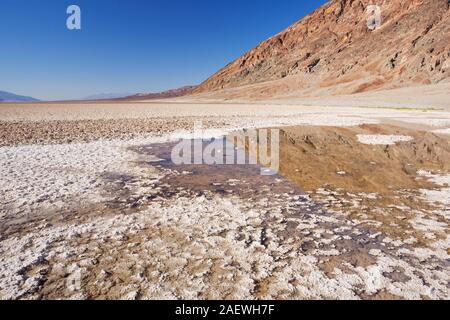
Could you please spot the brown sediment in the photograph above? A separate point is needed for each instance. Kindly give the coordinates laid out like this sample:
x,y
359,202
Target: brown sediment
x,y
313,156
376,184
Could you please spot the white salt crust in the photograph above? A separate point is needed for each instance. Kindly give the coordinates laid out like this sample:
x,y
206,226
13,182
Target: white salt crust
x,y
382,139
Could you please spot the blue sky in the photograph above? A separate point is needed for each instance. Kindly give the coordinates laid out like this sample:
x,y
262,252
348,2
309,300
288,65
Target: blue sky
x,y
130,45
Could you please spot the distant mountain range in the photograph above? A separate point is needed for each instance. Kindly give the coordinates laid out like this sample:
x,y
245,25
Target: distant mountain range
x,y
174,93
11,97
179,92
106,96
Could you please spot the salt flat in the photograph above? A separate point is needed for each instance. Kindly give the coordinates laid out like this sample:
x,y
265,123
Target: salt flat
x,y
86,212
85,122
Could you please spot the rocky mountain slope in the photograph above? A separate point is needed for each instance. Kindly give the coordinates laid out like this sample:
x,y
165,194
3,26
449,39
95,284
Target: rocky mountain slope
x,y
334,51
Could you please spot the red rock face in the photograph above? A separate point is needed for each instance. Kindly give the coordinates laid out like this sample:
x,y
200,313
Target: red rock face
x,y
333,50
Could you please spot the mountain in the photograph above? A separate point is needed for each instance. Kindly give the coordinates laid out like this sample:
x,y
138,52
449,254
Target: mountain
x,y
174,93
106,96
11,97
333,51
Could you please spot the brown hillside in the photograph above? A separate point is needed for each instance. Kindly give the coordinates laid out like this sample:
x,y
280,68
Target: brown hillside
x,y
333,50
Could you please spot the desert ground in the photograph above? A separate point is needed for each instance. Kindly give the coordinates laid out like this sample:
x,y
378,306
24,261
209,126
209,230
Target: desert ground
x,y
92,208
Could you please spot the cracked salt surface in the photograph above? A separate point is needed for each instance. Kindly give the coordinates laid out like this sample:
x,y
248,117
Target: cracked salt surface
x,y
38,176
382,139
441,195
191,244
34,175
183,256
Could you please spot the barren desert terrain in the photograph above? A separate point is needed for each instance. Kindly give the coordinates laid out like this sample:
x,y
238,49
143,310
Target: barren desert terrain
x,y
92,206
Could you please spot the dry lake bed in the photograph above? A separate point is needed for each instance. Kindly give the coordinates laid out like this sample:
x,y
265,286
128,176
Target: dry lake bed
x,y
92,207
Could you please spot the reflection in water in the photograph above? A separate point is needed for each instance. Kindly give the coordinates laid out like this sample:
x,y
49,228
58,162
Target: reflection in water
x,y
241,176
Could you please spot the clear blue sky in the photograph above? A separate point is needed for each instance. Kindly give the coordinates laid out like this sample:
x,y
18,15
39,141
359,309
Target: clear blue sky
x,y
130,45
